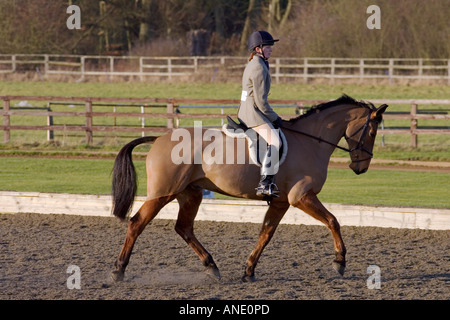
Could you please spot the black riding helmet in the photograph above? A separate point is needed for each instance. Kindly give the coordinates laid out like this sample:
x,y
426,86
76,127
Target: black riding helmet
x,y
260,38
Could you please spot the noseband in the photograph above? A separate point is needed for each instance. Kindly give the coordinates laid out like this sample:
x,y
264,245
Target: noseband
x,y
359,145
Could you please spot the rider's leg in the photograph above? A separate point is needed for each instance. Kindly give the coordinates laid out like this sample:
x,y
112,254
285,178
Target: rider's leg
x,y
269,164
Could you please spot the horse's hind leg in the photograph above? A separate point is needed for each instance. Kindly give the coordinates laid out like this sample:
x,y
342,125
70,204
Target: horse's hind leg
x,y
310,204
137,223
189,201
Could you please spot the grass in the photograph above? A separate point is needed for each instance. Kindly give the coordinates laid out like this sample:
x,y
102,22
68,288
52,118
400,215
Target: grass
x,y
221,90
376,187
387,187
56,175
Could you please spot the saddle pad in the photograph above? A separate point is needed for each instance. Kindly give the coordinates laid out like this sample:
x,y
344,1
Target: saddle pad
x,y
252,140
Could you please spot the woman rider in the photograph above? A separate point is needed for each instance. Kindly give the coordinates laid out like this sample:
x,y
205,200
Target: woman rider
x,y
255,110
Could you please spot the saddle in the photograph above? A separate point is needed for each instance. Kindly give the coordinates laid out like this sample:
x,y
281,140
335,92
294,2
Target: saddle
x,y
240,130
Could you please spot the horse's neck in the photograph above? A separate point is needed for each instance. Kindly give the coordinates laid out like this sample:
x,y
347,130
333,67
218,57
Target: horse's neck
x,y
329,124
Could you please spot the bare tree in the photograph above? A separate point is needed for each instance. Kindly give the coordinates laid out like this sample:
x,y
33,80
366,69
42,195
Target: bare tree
x,y
276,17
249,25
144,26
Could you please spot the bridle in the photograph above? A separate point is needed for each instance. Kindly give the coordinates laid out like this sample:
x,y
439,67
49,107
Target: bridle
x,y
359,146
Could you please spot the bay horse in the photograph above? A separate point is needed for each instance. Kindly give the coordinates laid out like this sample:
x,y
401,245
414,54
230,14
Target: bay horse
x,y
312,138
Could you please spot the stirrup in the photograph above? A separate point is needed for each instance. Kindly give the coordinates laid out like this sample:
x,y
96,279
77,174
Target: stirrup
x,y
270,190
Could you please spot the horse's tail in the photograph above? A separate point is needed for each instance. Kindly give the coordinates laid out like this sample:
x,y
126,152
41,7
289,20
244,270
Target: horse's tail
x,y
124,184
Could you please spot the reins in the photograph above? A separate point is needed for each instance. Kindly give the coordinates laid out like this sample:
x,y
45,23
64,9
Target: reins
x,y
359,145
317,138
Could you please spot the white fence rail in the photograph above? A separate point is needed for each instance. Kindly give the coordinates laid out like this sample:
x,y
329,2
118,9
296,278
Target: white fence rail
x,y
226,67
246,211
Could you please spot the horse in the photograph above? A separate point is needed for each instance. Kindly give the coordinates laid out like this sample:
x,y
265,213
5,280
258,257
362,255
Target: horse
x,y
312,138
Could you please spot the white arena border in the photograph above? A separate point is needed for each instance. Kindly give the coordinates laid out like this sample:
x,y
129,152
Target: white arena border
x,y
228,210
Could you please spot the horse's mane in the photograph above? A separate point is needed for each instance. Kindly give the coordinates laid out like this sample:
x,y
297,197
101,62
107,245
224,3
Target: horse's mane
x,y
344,99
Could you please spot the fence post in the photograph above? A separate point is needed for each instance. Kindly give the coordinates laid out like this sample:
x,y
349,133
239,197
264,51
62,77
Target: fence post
x,y
50,135
13,64
277,70
111,67
83,58
333,69
361,70
89,122
143,119
448,75
420,69
46,65
305,70
413,126
141,68
169,68
6,121
170,120
196,64
391,70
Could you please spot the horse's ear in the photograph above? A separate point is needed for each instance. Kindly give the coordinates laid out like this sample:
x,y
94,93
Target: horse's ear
x,y
381,109
376,114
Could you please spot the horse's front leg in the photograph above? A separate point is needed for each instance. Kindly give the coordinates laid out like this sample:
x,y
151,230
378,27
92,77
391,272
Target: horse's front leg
x,y
272,218
310,204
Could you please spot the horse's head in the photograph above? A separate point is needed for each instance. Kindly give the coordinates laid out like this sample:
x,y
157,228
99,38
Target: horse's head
x,y
360,136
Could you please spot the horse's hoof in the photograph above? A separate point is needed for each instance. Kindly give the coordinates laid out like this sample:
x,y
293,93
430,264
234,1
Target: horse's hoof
x,y
213,273
117,276
247,278
339,267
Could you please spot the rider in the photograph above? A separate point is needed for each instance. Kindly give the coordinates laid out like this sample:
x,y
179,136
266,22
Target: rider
x,y
255,110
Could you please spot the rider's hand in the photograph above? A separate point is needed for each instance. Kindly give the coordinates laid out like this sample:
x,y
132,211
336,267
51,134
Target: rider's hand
x,y
278,123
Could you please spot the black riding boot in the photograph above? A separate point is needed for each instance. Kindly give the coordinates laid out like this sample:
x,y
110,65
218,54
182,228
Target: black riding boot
x,y
267,187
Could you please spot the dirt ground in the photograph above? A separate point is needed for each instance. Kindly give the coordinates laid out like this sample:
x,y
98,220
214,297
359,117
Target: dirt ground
x,y
37,250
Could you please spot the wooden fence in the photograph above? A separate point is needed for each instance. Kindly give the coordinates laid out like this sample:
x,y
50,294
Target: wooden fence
x,y
171,116
226,67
